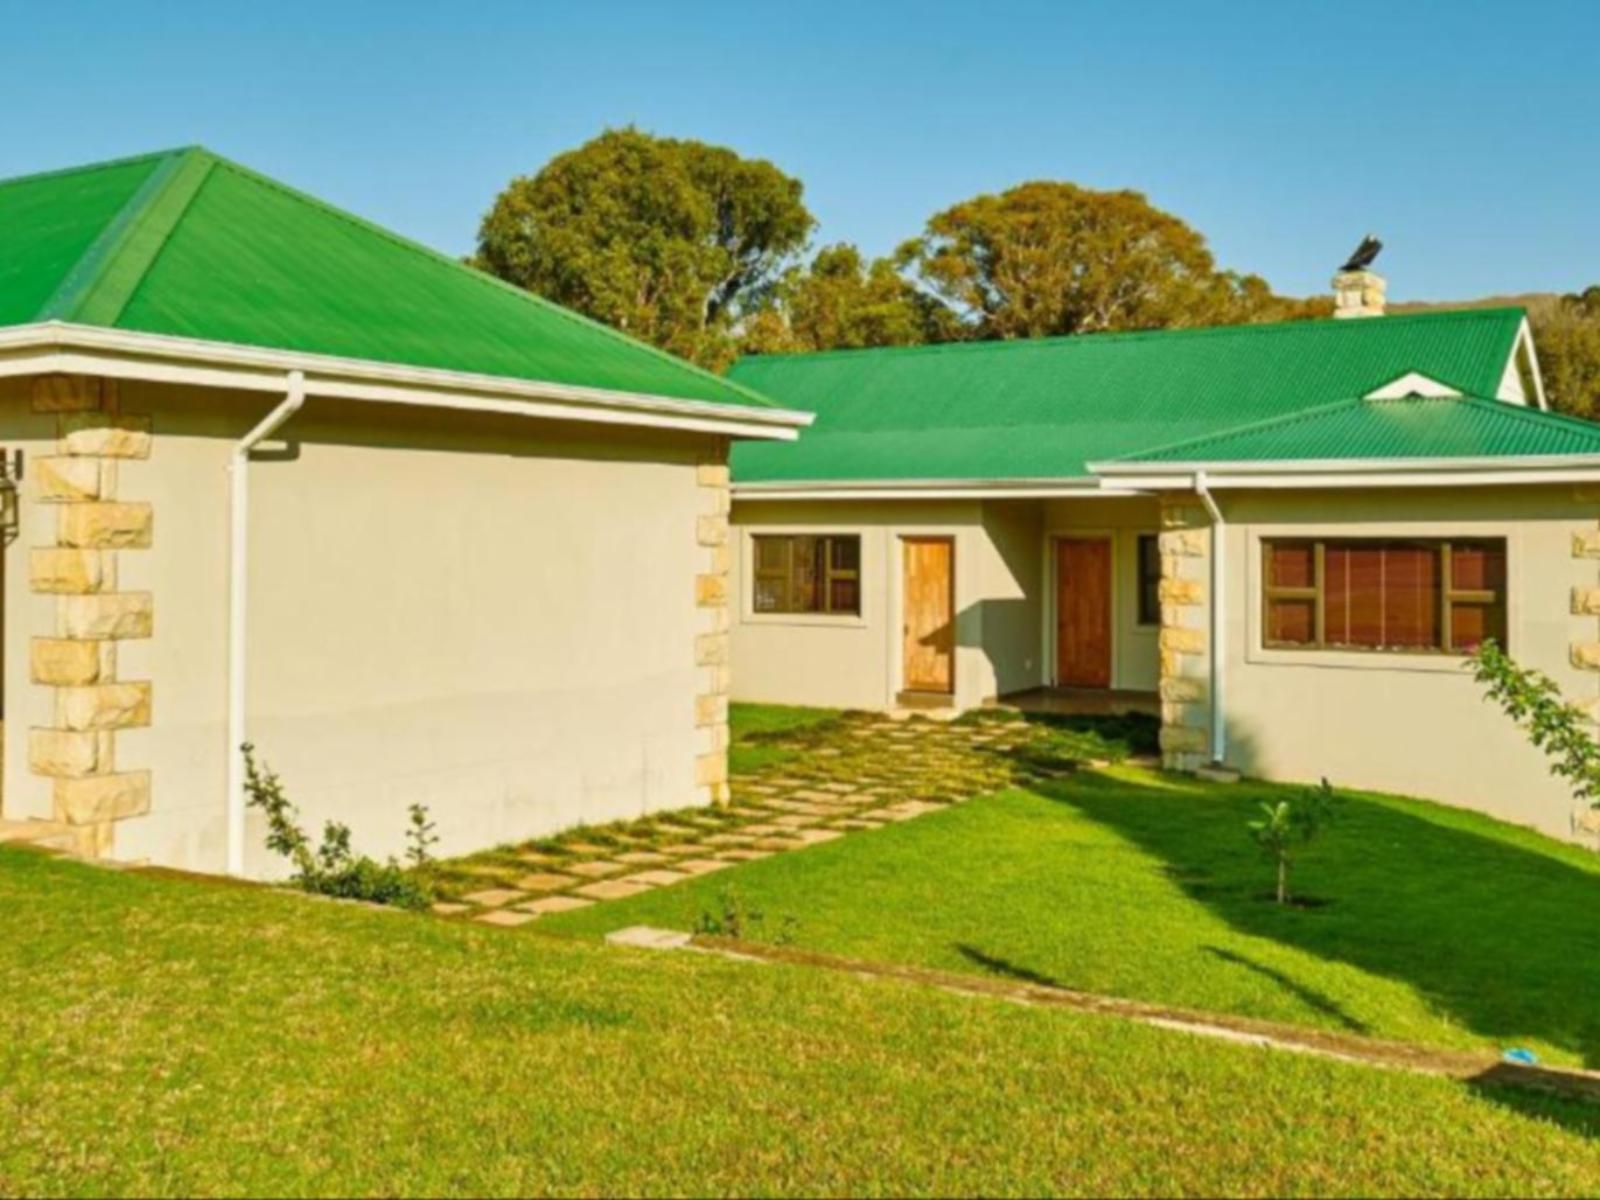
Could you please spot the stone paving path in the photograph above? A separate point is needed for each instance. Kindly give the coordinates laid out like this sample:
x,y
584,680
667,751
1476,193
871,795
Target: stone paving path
x,y
859,773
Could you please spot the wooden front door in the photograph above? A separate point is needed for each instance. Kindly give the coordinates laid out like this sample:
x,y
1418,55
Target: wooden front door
x,y
929,603
1083,612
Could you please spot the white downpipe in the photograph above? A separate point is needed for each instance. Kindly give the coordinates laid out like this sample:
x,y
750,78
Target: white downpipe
x,y
238,579
1219,543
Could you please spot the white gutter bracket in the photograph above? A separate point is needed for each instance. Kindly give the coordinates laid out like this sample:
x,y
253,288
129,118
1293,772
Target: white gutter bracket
x,y
238,581
1219,727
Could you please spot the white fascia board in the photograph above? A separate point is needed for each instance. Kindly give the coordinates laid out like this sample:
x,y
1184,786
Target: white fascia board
x,y
929,489
58,347
1369,474
1511,380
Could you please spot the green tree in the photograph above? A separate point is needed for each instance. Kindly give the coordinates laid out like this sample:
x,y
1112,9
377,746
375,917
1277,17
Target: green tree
x,y
668,240
1047,258
840,301
1567,334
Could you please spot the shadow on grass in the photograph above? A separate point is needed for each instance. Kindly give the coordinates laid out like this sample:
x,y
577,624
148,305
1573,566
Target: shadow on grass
x,y
1496,928
1002,966
1308,996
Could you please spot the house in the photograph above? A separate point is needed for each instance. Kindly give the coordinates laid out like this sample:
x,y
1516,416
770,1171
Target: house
x,y
276,475
1284,538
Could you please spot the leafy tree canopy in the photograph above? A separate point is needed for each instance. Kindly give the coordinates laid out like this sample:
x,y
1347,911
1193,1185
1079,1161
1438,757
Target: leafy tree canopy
x,y
668,240
840,301
1566,331
1046,259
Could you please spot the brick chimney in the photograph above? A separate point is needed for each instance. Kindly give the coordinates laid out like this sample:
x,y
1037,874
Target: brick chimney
x,y
1358,293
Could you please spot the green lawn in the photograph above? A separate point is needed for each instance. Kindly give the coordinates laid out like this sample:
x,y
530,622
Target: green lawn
x,y
757,729
170,1036
1440,927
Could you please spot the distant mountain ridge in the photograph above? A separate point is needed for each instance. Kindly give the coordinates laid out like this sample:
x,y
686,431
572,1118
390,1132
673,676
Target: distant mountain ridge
x,y
1534,302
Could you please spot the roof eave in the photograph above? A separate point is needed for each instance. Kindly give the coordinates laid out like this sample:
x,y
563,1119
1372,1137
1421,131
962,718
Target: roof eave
x,y
1367,472
923,489
56,346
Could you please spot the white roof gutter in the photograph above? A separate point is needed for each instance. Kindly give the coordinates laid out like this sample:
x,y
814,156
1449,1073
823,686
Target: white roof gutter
x,y
238,595
1355,473
1219,579
926,489
54,346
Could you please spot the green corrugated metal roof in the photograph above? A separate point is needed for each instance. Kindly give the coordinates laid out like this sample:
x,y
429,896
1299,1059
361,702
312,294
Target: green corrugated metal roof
x,y
1044,408
188,244
1414,427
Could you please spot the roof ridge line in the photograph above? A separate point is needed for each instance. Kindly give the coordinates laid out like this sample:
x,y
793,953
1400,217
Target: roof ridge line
x,y
1059,339
1301,414
100,284
487,280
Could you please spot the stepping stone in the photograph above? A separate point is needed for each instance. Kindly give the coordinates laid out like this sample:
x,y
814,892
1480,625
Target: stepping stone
x,y
502,917
494,897
597,869
742,856
696,848
810,837
795,822
776,844
657,878
547,905
704,866
585,848
612,889
757,813
730,839
447,909
547,882
642,858
911,808
856,823
537,858
762,830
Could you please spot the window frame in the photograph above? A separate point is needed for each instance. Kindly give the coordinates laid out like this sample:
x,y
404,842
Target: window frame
x,y
830,574
1143,618
1449,595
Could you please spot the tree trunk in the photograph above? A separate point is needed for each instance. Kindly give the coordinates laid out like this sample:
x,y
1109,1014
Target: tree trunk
x,y
1283,880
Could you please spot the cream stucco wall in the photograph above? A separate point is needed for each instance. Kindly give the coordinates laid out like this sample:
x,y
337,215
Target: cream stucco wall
x,y
494,617
1414,724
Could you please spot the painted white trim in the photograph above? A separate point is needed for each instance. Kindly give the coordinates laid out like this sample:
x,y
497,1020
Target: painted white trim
x,y
1413,383
79,349
1288,481
1511,389
238,588
1219,627
1082,487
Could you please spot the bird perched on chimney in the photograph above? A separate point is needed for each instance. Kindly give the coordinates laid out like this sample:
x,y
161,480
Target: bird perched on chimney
x,y
1365,253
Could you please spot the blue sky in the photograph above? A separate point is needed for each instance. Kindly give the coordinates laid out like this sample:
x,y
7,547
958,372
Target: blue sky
x,y
1464,133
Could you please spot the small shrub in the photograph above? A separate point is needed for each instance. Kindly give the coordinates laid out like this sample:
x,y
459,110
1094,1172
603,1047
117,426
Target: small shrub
x,y
1534,702
333,868
734,919
1289,825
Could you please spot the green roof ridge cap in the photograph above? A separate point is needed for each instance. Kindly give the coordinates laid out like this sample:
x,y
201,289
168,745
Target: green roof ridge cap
x,y
1129,335
487,280
100,285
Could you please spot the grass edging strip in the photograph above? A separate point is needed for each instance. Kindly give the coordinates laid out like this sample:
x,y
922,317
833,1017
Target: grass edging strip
x,y
1462,1066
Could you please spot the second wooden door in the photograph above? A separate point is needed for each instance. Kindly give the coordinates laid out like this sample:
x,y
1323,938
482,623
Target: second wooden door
x,y
1083,612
